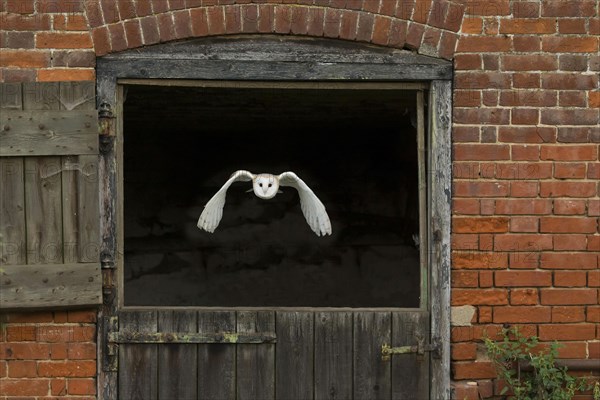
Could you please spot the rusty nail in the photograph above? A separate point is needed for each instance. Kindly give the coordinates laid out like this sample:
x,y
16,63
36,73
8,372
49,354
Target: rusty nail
x,y
41,126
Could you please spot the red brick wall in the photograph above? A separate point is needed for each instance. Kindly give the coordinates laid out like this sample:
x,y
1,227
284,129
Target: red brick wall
x,y
48,354
45,40
526,207
526,112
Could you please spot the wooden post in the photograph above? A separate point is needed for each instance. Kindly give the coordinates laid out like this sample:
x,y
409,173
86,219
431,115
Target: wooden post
x,y
440,167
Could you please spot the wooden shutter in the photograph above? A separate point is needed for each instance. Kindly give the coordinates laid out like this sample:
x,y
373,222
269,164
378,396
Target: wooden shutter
x,y
49,204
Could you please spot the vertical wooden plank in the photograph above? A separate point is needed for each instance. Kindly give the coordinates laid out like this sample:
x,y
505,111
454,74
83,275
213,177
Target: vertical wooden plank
x,y
43,210
69,209
43,187
137,362
11,96
422,161
12,212
440,120
410,372
12,196
294,355
372,379
333,355
216,362
70,191
81,229
177,363
88,209
255,362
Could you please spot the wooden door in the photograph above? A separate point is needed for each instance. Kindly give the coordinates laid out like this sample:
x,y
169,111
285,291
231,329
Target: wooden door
x,y
301,355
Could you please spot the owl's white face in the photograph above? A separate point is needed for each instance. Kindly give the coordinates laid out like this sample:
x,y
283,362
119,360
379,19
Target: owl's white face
x,y
265,186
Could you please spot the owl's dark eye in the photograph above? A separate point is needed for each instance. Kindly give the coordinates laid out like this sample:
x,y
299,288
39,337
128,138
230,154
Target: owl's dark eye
x,y
260,184
270,184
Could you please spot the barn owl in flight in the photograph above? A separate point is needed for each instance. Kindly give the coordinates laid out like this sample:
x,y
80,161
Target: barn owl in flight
x,y
266,186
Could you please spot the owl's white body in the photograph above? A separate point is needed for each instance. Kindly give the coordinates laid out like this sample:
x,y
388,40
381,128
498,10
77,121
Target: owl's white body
x,y
266,186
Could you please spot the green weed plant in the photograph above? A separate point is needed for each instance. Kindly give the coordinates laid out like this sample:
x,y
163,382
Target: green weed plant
x,y
546,380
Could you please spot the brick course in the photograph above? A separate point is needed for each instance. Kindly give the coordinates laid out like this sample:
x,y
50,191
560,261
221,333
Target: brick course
x,y
44,353
526,141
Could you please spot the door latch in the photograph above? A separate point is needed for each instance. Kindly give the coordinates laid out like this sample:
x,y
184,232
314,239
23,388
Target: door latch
x,y
435,347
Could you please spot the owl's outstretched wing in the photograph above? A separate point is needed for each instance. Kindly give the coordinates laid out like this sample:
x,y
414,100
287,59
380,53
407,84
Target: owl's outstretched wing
x,y
312,208
213,210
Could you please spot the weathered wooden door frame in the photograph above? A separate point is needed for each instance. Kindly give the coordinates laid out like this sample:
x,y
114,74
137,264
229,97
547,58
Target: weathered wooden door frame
x,y
357,63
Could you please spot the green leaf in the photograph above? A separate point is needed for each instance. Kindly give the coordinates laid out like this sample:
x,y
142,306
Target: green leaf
x,y
547,381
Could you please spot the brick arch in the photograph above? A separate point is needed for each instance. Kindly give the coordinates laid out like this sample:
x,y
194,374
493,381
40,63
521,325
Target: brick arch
x,y
429,27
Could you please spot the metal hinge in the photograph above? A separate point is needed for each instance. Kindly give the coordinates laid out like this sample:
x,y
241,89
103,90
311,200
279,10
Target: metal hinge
x,y
109,289
106,120
105,110
107,261
435,347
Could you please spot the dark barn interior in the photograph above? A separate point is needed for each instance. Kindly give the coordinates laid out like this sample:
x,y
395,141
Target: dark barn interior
x,y
355,148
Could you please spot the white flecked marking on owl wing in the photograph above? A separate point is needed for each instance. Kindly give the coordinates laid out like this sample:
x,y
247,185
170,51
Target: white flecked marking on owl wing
x,y
312,208
213,210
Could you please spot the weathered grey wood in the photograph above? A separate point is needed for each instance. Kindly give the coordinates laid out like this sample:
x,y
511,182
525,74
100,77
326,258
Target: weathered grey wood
x,y
216,362
372,379
440,106
77,95
81,228
36,133
255,371
273,47
333,355
175,337
422,176
266,57
80,207
11,96
41,96
108,382
88,208
295,353
328,85
410,372
50,286
12,212
43,210
69,209
273,70
138,362
177,363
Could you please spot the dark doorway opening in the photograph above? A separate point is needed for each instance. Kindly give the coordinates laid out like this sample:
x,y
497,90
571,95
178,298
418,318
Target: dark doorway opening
x,y
355,148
